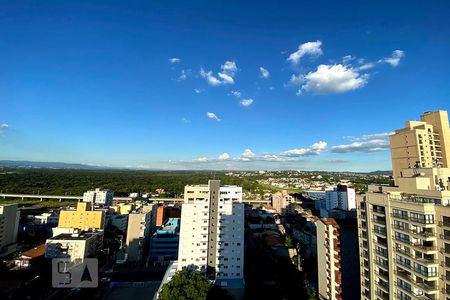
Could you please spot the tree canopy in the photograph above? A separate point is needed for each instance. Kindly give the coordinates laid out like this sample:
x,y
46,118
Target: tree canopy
x,y
187,284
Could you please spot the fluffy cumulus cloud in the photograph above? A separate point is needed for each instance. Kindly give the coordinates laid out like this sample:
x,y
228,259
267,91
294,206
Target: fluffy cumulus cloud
x,y
332,79
174,60
264,72
226,76
212,116
365,143
314,149
4,126
246,102
224,156
247,155
394,59
309,48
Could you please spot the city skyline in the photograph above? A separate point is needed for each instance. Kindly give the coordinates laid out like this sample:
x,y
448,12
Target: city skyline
x,y
218,86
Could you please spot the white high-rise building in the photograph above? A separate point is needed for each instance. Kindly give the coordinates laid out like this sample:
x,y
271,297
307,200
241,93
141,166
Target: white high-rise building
x,y
342,197
99,196
9,225
212,232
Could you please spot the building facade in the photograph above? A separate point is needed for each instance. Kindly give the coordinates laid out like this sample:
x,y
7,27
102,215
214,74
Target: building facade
x,y
404,228
9,225
74,246
99,196
82,218
165,241
138,232
282,202
212,232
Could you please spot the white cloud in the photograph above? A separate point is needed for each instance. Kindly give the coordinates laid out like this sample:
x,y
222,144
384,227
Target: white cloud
x,y
347,59
212,116
246,102
4,126
229,69
209,77
201,159
224,156
368,137
314,149
264,72
174,60
331,79
247,155
395,58
365,143
183,75
366,66
309,48
365,146
237,94
198,91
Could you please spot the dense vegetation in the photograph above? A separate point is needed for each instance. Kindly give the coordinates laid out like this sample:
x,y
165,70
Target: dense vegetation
x,y
122,182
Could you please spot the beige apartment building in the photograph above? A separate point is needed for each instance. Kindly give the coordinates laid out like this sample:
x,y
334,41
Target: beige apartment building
x,y
282,202
404,228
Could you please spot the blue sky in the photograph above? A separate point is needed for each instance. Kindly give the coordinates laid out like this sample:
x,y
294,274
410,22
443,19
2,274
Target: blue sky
x,y
179,84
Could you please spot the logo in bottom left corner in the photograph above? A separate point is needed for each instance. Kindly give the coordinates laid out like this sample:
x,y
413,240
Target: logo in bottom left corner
x,y
68,274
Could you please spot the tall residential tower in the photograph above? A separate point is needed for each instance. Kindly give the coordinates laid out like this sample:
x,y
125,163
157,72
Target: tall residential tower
x,y
212,232
404,228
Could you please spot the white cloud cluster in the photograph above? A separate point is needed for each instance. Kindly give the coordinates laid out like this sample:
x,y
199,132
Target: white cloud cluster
x,y
394,59
264,72
248,155
224,156
237,94
174,60
183,75
331,79
226,76
246,102
349,75
314,149
309,48
365,143
212,116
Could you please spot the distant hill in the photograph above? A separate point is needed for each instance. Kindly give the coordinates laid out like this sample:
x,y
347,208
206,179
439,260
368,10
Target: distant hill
x,y
381,173
47,165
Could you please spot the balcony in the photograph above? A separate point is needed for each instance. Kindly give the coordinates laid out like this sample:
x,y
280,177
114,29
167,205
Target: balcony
x,y
444,224
423,234
379,221
444,237
399,216
403,274
383,265
384,276
426,286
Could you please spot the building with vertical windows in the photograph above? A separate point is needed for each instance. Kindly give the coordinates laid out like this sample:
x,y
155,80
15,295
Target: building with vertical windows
x,y
404,228
138,232
165,241
212,232
83,218
9,225
282,202
99,197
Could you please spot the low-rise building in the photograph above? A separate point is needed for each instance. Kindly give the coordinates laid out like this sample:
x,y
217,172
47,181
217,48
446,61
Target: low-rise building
x,y
75,247
29,257
47,218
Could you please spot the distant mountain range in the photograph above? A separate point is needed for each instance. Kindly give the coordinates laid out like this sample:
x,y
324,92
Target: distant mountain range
x,y
47,165
61,165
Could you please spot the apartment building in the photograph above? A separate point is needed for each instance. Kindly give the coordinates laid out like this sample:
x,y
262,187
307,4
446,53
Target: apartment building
x,y
74,246
82,218
138,232
99,197
404,228
282,202
423,143
9,225
212,232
